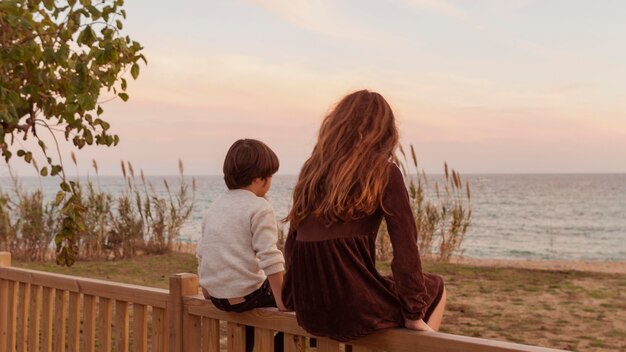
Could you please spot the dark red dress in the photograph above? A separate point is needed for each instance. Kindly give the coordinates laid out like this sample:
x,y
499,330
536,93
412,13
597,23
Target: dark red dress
x,y
332,283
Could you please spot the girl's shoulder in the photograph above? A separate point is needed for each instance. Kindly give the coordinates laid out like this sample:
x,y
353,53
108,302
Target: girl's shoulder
x,y
394,171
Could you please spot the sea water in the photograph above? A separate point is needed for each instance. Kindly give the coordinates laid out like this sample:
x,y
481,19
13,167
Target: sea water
x,y
525,216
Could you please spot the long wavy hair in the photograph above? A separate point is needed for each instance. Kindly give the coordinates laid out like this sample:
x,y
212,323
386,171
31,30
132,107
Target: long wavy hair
x,y
348,170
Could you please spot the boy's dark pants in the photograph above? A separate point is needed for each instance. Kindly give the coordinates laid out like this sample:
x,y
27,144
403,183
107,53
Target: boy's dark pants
x,y
260,298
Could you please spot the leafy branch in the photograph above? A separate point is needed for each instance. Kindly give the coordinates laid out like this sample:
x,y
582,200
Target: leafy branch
x,y
55,60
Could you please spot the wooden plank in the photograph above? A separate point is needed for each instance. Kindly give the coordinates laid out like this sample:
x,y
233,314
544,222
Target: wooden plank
x,y
327,345
47,317
210,335
294,343
149,296
34,328
140,328
73,326
236,337
121,326
267,318
89,323
23,305
181,285
12,301
359,348
60,320
192,328
105,317
409,340
263,340
5,259
388,340
159,330
4,307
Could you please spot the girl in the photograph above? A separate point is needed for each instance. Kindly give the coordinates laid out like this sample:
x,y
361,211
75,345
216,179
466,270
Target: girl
x,y
344,190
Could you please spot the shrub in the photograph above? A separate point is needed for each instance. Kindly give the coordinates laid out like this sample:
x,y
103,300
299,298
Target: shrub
x,y
113,226
441,220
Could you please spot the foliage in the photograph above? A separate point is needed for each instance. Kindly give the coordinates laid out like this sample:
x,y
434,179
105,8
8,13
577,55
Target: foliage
x,y
139,218
442,220
113,226
28,224
56,57
7,227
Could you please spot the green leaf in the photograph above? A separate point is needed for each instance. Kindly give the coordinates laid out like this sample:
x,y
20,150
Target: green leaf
x,y
118,24
59,198
7,154
56,169
64,186
134,71
49,4
57,241
44,171
88,137
99,111
123,96
87,36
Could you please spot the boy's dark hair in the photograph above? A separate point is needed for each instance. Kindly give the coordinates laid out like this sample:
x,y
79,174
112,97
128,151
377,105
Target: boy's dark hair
x,y
246,160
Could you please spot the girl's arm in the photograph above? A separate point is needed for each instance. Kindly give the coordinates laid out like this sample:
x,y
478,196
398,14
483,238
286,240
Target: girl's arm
x,y
287,295
406,264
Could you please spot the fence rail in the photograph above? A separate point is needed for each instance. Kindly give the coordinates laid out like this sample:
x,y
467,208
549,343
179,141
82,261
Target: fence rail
x,y
42,311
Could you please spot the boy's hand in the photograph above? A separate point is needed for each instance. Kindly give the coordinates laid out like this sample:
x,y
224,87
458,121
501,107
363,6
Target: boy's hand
x,y
281,307
276,283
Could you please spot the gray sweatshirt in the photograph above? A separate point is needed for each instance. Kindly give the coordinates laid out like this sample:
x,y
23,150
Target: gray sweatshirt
x,y
238,247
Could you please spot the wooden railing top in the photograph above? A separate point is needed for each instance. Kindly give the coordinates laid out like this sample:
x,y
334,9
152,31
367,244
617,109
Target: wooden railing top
x,y
124,292
388,340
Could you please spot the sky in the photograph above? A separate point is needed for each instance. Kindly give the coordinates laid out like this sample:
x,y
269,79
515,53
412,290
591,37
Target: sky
x,y
490,86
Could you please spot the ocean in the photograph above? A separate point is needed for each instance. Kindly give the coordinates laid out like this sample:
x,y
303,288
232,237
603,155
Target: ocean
x,y
523,216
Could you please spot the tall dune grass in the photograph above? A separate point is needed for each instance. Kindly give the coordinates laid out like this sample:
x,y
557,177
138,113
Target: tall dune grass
x,y
441,220
137,219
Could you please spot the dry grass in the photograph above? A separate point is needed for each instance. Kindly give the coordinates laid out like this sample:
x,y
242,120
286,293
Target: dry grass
x,y
442,219
560,309
137,219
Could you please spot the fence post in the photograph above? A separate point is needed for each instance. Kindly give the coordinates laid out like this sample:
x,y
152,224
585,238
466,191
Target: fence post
x,y
5,261
180,285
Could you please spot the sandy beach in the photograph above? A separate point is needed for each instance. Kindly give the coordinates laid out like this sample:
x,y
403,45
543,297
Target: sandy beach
x,y
616,267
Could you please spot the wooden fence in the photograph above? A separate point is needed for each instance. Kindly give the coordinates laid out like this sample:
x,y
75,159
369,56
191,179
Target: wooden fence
x,y
42,311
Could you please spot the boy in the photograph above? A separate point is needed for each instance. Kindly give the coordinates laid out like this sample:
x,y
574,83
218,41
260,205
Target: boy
x,y
239,265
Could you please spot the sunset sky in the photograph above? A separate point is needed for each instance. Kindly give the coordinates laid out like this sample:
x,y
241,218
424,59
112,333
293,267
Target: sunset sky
x,y
491,86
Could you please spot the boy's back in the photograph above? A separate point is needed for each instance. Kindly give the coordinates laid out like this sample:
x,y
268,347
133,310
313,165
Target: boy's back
x,y
238,247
